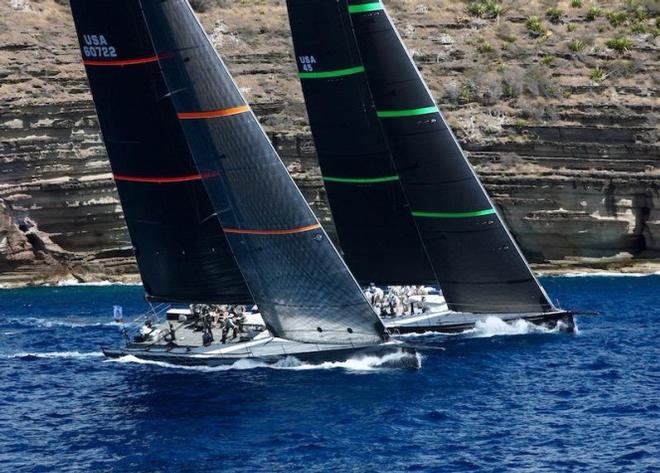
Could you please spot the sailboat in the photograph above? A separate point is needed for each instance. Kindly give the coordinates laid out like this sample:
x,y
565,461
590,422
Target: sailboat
x,y
408,206
212,213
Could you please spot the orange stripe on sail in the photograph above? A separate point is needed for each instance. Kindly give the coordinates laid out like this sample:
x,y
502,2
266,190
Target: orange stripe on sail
x,y
164,180
223,112
285,231
121,62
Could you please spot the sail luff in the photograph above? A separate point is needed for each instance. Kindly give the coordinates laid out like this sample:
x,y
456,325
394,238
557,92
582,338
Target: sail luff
x,y
302,287
468,242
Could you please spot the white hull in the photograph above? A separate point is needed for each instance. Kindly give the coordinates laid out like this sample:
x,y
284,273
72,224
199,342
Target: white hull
x,y
264,348
446,321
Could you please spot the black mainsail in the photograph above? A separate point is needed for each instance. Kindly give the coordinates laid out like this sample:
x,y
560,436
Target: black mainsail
x,y
300,283
477,262
181,250
377,232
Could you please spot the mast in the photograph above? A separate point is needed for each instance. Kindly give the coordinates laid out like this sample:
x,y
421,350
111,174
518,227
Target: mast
x,y
377,232
479,266
181,250
300,283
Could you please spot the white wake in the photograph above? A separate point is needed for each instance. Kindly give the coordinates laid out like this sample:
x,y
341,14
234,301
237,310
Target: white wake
x,y
54,354
31,322
75,282
494,327
358,364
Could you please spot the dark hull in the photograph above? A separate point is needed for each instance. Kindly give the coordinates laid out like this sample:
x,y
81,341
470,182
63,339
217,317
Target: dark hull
x,y
548,320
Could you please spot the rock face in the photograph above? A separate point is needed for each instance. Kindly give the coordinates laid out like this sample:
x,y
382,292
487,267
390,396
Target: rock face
x,y
562,128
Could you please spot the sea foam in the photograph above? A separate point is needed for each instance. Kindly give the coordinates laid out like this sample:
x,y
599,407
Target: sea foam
x,y
357,364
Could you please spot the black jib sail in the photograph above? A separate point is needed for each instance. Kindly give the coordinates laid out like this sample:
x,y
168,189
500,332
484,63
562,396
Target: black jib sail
x,y
301,285
181,250
376,230
475,259
479,266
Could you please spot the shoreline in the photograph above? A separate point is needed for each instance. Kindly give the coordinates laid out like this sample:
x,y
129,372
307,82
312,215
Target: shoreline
x,y
598,266
564,268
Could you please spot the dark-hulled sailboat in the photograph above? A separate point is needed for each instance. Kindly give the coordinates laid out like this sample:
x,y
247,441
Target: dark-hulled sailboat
x,y
211,210
395,173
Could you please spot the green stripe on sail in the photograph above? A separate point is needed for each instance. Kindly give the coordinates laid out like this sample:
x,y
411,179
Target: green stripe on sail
x,y
365,7
361,180
475,213
328,74
407,113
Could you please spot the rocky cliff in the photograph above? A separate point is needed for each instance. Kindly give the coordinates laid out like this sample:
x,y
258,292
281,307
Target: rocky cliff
x,y
555,102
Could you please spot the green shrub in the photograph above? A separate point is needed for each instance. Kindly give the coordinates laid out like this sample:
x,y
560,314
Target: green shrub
x,y
593,13
597,74
640,28
476,9
576,3
485,8
554,14
576,45
520,123
571,27
640,14
547,60
617,18
468,91
485,48
620,44
535,25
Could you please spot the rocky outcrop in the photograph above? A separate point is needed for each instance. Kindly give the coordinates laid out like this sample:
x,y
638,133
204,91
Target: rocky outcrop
x,y
562,129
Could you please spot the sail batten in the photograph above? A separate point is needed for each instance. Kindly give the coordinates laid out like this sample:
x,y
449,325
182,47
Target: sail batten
x,y
411,112
223,112
331,74
120,62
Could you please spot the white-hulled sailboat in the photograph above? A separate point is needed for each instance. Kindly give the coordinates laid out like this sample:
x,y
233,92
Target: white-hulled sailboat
x,y
408,207
213,215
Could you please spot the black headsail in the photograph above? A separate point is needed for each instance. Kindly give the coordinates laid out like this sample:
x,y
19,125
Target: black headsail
x,y
479,266
301,285
181,250
376,230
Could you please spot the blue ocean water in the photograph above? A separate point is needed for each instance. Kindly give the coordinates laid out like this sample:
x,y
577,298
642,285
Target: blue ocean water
x,y
496,399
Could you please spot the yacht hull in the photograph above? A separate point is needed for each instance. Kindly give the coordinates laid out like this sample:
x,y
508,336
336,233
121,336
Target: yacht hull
x,y
451,322
268,351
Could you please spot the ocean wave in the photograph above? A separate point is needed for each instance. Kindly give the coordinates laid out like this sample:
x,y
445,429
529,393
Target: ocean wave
x,y
358,364
33,322
70,283
601,274
53,354
75,282
494,327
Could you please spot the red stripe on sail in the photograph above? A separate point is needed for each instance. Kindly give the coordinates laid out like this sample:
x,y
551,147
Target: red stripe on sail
x,y
164,179
285,231
223,112
122,62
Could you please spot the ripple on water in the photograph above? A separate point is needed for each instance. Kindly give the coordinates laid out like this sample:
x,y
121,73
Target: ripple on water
x,y
502,399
